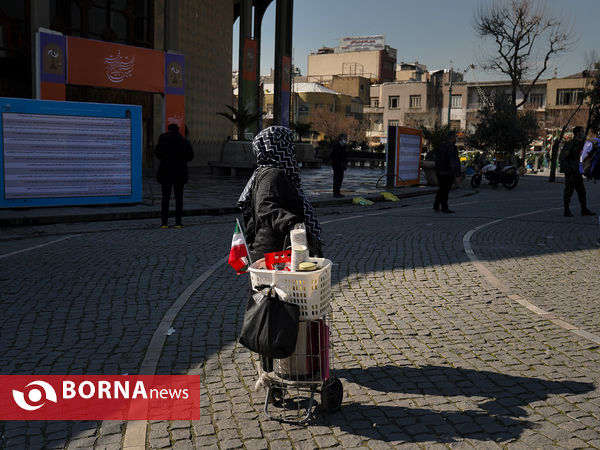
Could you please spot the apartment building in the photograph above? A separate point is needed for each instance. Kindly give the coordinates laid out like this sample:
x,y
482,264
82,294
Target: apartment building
x,y
364,56
404,103
308,97
414,103
354,86
563,95
478,93
411,72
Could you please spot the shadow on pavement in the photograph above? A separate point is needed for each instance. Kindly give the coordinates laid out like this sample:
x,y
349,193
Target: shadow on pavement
x,y
500,418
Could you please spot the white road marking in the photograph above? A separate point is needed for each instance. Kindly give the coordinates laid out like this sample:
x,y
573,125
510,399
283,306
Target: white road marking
x,y
16,252
498,284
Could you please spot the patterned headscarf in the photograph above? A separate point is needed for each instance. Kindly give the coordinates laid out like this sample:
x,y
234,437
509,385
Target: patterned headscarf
x,y
274,147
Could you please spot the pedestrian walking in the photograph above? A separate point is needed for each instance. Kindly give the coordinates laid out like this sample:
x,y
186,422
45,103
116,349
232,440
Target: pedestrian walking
x,y
174,151
339,163
569,165
273,200
447,168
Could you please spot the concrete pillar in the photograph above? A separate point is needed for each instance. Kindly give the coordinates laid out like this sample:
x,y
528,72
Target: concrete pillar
x,y
283,61
171,26
40,18
259,12
245,32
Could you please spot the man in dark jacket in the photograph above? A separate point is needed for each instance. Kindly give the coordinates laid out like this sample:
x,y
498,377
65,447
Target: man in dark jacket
x,y
569,165
173,151
447,168
338,164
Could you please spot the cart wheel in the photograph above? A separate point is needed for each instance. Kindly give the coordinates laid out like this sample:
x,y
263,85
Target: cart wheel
x,y
332,394
275,396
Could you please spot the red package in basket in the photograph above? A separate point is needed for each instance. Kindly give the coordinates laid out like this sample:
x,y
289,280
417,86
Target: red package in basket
x,y
278,260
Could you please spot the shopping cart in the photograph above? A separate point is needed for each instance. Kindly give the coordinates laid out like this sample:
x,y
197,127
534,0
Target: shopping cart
x,y
292,382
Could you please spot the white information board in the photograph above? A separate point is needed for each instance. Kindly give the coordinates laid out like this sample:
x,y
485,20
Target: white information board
x,y
403,156
69,153
56,156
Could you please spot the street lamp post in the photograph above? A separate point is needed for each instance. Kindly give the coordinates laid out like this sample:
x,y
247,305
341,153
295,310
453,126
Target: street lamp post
x,y
450,97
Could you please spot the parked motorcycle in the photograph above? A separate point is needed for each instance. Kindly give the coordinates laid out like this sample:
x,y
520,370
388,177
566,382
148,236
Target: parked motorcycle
x,y
508,176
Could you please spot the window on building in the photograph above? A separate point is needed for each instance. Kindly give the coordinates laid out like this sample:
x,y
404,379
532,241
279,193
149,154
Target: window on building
x,y
568,96
394,102
124,21
303,108
375,102
15,49
536,100
393,123
455,125
457,101
415,101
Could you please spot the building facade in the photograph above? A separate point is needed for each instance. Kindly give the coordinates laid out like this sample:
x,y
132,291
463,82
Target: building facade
x,y
404,103
200,30
415,104
310,97
366,57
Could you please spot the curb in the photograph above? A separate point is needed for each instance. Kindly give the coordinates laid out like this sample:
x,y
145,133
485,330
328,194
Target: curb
x,y
151,214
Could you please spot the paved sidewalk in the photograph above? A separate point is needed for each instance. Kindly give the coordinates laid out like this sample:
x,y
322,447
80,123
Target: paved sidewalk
x,y
431,351
210,195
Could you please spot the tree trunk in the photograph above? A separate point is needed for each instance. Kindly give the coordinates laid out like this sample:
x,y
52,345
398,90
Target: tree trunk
x,y
553,159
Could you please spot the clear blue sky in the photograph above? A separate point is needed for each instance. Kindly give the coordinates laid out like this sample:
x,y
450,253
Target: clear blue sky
x,y
433,32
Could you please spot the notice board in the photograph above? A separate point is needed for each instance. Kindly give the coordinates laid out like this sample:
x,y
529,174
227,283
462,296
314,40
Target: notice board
x,y
69,153
403,158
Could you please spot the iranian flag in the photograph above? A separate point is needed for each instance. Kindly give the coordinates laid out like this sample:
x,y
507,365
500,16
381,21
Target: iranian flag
x,y
239,257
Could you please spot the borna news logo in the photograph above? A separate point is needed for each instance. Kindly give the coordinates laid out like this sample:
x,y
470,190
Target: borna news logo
x,y
35,396
99,397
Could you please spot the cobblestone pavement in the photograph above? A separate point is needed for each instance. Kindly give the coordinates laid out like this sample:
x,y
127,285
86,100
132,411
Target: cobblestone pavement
x,y
430,353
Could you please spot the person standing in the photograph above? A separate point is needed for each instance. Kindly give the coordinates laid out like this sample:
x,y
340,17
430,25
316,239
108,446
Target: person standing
x,y
338,163
447,168
174,151
569,165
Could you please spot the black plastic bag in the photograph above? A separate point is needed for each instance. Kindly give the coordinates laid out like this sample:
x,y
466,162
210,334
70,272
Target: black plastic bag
x,y
270,325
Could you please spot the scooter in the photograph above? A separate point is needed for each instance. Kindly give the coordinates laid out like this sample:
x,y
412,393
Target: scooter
x,y
507,175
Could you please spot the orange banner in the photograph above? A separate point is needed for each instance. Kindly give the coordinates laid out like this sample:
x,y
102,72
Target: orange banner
x,y
175,111
52,91
97,63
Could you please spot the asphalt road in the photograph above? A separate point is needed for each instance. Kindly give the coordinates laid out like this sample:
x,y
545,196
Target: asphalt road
x,y
476,329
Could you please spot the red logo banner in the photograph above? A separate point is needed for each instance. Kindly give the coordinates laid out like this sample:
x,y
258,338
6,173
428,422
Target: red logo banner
x,y
99,397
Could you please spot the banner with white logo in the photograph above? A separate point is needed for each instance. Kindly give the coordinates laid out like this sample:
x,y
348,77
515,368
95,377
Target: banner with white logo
x,y
104,64
99,397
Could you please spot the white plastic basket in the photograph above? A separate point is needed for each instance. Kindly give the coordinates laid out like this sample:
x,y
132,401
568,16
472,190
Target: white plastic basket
x,y
311,291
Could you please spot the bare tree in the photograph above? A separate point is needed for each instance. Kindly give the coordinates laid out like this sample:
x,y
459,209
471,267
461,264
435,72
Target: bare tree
x,y
526,38
592,96
332,124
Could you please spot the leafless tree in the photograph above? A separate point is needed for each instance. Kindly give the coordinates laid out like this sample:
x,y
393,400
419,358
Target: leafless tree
x,y
332,124
526,38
